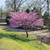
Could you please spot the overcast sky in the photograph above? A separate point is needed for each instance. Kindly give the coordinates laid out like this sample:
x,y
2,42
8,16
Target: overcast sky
x,y
2,3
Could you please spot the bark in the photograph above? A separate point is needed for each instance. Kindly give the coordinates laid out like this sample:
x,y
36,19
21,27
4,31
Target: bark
x,y
1,14
26,33
48,14
15,5
48,7
49,23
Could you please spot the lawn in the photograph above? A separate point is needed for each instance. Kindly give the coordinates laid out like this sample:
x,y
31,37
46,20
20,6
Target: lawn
x,y
18,41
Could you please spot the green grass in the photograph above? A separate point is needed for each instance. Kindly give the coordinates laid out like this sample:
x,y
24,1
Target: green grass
x,y
18,41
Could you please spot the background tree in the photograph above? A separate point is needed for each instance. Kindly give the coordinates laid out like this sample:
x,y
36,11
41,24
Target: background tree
x,y
14,4
1,12
45,17
48,7
48,14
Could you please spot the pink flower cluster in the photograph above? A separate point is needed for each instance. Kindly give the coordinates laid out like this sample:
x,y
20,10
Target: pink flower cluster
x,y
25,19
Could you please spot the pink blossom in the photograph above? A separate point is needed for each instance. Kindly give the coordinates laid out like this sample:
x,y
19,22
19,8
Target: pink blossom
x,y
25,19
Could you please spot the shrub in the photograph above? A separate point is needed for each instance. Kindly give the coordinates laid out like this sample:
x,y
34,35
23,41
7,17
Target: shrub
x,y
7,21
28,10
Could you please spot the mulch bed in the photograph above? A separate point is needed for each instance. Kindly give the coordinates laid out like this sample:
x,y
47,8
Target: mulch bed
x,y
44,39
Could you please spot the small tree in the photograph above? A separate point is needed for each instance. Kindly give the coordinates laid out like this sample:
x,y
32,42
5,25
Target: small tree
x,y
27,20
28,10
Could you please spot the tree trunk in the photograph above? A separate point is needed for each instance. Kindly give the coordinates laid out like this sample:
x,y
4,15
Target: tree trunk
x,y
15,5
48,7
26,33
49,23
48,14
1,14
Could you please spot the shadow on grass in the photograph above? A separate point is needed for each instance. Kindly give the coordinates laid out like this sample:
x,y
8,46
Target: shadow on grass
x,y
15,37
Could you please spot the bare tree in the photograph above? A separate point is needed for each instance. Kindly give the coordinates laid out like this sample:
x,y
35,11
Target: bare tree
x,y
1,13
48,14
48,7
14,4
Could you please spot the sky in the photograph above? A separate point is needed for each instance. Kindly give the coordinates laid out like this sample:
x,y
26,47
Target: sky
x,y
2,3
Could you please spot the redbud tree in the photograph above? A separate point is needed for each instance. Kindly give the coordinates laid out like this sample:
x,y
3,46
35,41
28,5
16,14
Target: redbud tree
x,y
26,20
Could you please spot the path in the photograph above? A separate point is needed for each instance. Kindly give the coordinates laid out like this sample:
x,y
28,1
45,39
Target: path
x,y
3,26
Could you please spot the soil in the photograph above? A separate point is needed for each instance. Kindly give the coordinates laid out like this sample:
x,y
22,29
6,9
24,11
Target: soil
x,y
44,39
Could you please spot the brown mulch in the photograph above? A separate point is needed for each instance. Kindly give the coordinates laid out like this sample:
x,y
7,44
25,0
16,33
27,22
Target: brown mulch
x,y
44,39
